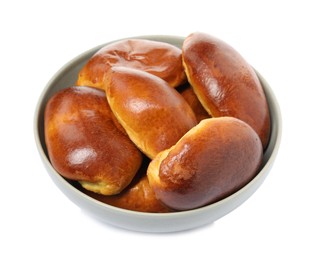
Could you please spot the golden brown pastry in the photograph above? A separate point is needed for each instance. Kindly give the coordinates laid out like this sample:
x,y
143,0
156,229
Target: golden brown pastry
x,y
84,143
94,138
188,94
138,196
213,160
154,115
225,83
158,58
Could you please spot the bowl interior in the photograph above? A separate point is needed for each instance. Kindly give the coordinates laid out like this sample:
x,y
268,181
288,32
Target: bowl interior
x,y
165,222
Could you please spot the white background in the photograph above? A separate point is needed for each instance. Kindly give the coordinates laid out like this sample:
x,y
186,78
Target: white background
x,y
37,37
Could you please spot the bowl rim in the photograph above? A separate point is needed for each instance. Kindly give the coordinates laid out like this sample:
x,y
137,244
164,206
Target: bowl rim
x,y
261,174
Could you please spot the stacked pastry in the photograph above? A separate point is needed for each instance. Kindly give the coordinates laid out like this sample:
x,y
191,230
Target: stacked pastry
x,y
150,127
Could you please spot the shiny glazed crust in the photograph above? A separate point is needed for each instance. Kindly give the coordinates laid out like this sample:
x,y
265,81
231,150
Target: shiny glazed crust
x,y
95,135
84,143
154,115
158,58
213,160
225,83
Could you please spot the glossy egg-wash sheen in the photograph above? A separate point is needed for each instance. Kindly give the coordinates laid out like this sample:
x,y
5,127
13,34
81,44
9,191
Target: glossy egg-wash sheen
x,y
225,83
213,160
158,58
83,141
154,115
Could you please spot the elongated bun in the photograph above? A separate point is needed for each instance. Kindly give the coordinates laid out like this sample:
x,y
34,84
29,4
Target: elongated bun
x,y
154,115
225,83
158,58
84,143
213,160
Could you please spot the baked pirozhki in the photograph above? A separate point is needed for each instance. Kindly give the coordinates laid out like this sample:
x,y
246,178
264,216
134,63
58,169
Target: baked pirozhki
x,y
84,143
158,58
154,115
225,83
210,162
154,128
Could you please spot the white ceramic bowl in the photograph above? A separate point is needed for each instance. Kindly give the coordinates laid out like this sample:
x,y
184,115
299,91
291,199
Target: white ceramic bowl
x,y
150,222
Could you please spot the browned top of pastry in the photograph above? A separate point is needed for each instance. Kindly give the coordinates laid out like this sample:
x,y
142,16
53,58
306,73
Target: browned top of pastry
x,y
225,83
83,142
154,115
213,160
158,58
